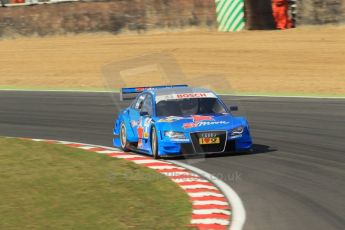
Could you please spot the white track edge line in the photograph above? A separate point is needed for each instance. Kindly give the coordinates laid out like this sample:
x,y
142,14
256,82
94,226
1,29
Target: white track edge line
x,y
238,211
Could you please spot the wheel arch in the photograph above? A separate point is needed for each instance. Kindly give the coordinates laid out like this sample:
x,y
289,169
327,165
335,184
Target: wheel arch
x,y
153,126
129,132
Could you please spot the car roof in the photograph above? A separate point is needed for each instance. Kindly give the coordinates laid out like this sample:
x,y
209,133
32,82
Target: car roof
x,y
179,90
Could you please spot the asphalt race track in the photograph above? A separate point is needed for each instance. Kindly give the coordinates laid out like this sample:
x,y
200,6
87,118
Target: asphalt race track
x,y
295,179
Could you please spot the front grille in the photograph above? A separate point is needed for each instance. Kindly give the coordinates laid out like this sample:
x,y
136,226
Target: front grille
x,y
187,148
210,148
230,146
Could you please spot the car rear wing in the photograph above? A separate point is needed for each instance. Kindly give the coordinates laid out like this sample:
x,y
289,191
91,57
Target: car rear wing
x,y
131,93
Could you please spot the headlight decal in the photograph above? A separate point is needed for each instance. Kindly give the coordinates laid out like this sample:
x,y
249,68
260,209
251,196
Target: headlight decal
x,y
174,135
237,131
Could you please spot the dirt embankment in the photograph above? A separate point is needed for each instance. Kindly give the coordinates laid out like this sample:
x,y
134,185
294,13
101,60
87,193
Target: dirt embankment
x,y
307,60
112,16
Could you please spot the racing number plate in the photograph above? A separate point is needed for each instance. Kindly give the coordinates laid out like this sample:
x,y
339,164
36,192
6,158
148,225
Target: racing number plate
x,y
209,140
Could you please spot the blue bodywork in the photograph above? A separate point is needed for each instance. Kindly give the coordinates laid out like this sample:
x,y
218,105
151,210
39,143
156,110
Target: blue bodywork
x,y
139,127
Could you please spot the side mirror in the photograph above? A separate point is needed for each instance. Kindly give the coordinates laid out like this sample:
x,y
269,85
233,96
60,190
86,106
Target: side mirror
x,y
233,108
144,113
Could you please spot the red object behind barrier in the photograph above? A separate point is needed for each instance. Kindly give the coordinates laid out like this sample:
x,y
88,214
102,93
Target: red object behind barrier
x,y
280,14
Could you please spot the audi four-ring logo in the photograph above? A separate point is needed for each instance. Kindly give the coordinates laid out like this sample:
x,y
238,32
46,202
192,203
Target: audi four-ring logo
x,y
208,135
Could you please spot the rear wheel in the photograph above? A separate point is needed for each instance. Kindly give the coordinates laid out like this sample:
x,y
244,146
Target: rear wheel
x,y
154,143
123,138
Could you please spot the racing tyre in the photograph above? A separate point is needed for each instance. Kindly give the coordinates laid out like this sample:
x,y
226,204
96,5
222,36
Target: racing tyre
x,y
123,138
154,143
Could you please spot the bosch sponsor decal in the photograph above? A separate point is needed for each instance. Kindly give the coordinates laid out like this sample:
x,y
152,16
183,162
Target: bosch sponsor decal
x,y
184,96
200,121
192,95
210,208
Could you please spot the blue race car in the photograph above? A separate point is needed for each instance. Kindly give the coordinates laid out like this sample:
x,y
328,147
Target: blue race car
x,y
179,120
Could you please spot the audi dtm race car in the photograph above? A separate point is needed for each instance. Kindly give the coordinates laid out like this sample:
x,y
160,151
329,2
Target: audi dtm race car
x,y
179,120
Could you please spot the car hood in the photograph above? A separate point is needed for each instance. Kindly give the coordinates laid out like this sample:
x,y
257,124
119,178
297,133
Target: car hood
x,y
199,122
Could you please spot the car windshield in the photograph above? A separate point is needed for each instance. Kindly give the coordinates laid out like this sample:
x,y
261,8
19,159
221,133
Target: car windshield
x,y
190,106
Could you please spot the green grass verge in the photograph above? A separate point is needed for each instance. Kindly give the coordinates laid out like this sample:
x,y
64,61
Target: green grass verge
x,y
45,186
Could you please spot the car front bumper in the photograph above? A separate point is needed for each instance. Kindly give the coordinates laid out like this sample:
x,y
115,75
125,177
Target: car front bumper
x,y
168,147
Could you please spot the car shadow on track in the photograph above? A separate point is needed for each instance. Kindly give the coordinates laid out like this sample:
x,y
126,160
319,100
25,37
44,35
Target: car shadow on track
x,y
257,149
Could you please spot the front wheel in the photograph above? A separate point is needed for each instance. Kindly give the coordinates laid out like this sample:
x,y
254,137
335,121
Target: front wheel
x,y
154,143
123,138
